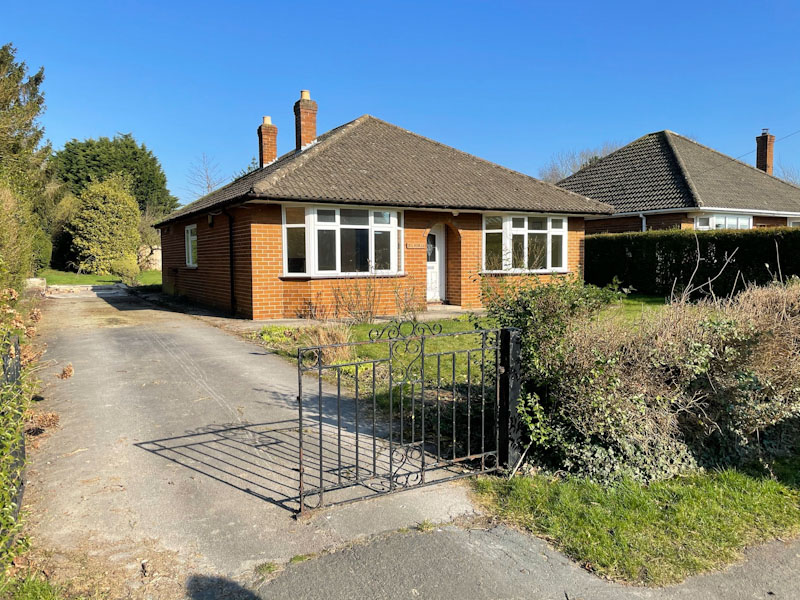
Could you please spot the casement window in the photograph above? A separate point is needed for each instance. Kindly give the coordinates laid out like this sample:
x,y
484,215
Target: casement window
x,y
793,223
723,221
190,238
524,243
329,241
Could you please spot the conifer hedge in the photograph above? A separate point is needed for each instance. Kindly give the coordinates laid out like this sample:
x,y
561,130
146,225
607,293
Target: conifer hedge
x,y
652,262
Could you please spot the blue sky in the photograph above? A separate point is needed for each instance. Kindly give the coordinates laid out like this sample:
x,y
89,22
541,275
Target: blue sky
x,y
513,82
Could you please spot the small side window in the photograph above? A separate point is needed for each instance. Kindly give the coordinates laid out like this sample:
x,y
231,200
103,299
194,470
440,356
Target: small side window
x,y
191,245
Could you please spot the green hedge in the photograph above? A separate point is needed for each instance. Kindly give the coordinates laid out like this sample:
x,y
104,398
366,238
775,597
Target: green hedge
x,y
653,261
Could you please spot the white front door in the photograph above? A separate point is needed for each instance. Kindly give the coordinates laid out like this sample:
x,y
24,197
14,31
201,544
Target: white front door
x,y
436,268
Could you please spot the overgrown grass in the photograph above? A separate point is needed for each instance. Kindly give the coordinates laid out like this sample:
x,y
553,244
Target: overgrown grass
x,y
633,306
30,588
55,277
653,534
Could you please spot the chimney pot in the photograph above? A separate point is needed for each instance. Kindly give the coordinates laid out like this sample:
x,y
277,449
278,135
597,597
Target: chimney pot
x,y
305,120
267,121
764,151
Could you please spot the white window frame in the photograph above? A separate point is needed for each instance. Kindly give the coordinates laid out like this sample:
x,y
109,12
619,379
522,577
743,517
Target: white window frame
x,y
508,231
716,218
313,225
793,222
189,232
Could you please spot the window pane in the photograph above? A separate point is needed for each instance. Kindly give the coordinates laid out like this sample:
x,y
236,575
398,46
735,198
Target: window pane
x,y
518,222
730,222
494,222
537,250
537,223
744,223
383,250
295,215
431,247
194,247
382,217
518,251
494,251
354,250
326,249
351,216
326,215
703,221
557,252
557,223
296,249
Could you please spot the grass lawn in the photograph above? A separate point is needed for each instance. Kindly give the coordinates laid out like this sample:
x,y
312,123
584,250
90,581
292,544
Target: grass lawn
x,y
634,306
657,534
29,588
54,277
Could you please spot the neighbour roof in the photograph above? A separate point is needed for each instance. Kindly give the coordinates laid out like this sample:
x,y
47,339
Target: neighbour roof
x,y
369,161
664,170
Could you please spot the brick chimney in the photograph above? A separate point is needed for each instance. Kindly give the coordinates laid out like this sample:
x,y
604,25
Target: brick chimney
x,y
764,146
267,142
305,120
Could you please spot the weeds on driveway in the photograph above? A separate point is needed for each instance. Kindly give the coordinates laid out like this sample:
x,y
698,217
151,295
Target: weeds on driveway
x,y
653,534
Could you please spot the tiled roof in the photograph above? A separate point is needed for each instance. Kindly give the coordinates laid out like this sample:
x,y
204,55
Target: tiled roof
x,y
665,170
369,161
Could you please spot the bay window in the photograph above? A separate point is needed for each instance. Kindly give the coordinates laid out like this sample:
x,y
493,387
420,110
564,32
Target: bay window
x,y
524,243
340,241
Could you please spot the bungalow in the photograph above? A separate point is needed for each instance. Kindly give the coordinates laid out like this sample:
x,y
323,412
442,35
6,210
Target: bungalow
x,y
664,181
366,204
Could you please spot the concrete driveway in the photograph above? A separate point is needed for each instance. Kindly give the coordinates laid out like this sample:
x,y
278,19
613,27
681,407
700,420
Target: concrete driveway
x,y
176,448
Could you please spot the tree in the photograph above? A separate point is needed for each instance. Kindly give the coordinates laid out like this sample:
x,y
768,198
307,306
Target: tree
x,y
203,176
23,245
790,174
564,164
105,228
248,169
80,163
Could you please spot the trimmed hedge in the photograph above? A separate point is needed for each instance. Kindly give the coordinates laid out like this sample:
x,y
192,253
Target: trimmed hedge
x,y
652,262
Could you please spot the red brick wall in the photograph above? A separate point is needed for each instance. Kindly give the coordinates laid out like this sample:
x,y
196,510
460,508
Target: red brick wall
x,y
626,224
209,283
262,292
670,221
613,225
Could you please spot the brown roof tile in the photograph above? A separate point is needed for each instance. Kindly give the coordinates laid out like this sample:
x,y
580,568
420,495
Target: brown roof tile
x,y
664,170
369,161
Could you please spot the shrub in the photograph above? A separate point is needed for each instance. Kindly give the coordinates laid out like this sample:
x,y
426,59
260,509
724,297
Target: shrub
x,y
543,312
655,262
705,384
104,228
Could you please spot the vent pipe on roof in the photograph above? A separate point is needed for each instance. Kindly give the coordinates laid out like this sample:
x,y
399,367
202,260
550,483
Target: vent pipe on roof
x,y
305,120
764,148
267,142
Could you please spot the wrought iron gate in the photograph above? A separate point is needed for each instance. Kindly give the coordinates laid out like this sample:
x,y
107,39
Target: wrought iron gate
x,y
409,407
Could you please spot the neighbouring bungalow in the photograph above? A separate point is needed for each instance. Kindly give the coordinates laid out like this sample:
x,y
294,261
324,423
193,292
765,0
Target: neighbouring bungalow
x,y
666,181
367,204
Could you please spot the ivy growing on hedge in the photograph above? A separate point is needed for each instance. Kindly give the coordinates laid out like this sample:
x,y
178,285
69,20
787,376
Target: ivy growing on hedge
x,y
652,262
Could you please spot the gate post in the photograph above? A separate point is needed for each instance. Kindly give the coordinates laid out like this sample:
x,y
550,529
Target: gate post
x,y
509,390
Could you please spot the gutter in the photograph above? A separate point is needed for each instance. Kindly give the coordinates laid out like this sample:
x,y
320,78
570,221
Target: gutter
x,y
705,209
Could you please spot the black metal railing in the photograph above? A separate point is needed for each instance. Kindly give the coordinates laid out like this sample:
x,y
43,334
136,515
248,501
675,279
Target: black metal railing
x,y
410,406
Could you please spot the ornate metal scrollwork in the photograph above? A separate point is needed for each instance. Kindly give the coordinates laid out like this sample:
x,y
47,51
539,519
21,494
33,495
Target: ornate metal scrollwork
x,y
406,470
404,329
